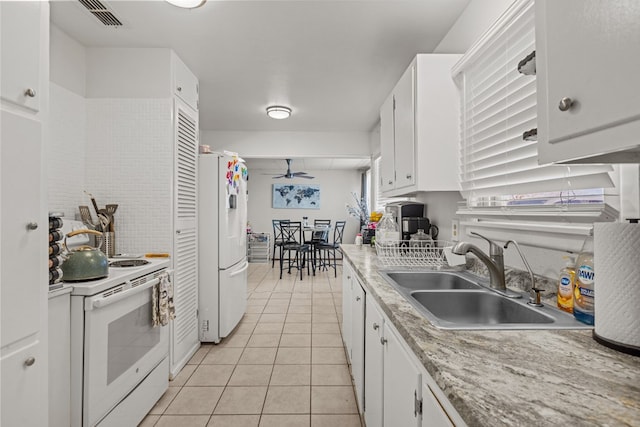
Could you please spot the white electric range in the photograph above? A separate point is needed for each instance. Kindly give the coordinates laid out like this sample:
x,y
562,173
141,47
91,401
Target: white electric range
x,y
119,361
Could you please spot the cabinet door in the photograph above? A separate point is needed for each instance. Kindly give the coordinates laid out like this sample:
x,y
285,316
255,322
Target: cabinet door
x,y
374,323
24,229
347,275
185,244
21,373
404,120
585,53
433,414
402,384
20,54
185,84
387,146
357,341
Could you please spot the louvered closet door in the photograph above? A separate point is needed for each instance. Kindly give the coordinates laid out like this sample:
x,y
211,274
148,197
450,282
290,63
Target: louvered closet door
x,y
185,250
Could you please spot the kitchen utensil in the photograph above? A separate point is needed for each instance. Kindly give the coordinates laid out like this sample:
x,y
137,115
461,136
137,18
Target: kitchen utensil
x,y
157,255
85,215
85,262
111,210
93,201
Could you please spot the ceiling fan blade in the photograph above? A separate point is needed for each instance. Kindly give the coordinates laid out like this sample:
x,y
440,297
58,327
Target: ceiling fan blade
x,y
279,176
299,173
306,176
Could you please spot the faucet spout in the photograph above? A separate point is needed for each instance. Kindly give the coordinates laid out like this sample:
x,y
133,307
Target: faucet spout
x,y
495,264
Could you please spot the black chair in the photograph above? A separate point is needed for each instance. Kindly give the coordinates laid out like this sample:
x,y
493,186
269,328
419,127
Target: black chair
x,y
330,248
326,222
292,242
277,241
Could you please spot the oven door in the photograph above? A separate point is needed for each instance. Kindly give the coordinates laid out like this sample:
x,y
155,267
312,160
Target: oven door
x,y
121,347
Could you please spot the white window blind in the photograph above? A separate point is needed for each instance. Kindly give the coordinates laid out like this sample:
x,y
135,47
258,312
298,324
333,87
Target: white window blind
x,y
497,166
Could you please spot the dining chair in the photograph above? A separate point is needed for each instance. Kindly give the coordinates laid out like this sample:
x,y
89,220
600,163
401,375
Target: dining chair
x,y
277,239
329,249
317,222
292,242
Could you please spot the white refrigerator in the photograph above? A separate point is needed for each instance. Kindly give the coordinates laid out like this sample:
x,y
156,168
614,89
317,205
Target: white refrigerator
x,y
222,244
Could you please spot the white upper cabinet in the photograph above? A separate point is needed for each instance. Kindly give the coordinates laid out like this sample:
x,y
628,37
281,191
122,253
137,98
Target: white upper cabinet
x,y
185,83
587,77
419,129
20,63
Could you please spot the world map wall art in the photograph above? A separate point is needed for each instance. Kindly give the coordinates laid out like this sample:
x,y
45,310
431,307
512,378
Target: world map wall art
x,y
296,196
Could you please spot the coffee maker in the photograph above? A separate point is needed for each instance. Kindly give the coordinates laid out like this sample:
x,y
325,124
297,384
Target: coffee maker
x,y
410,217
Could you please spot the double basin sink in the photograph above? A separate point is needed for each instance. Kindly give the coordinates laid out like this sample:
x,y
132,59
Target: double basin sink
x,y
456,300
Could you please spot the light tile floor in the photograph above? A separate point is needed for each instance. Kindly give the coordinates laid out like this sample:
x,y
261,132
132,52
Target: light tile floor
x,y
283,366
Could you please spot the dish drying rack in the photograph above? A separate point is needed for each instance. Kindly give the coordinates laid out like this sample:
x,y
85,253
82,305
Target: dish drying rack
x,y
411,253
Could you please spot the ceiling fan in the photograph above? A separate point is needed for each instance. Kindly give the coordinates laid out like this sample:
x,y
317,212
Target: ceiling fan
x,y
291,175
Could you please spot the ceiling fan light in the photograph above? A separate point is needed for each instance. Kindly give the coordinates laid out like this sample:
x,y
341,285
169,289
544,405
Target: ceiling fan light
x,y
187,4
278,112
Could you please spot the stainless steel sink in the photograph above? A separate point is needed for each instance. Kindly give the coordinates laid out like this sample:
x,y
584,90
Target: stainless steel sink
x,y
430,280
456,300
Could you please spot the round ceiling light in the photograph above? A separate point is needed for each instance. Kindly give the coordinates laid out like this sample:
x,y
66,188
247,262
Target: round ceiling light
x,y
278,112
187,4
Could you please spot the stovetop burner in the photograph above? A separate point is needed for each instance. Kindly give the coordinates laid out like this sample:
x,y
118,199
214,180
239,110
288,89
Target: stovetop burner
x,y
128,263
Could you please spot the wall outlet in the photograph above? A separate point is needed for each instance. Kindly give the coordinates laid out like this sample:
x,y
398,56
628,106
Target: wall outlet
x,y
455,229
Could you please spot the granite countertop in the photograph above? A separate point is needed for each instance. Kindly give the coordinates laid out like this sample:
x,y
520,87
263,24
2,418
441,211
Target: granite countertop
x,y
523,377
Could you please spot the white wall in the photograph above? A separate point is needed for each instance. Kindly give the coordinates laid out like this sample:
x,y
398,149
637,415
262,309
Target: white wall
x,y
67,134
335,193
471,24
128,73
271,144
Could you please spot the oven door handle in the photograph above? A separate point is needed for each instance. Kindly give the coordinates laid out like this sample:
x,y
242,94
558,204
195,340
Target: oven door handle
x,y
103,302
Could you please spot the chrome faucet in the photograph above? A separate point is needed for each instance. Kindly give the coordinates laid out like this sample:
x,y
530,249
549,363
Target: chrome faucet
x,y
494,262
535,292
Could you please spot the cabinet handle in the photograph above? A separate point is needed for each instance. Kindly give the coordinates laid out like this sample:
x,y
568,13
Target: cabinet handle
x,y
30,361
179,89
357,298
565,104
376,326
408,176
32,226
383,340
349,277
390,182
30,93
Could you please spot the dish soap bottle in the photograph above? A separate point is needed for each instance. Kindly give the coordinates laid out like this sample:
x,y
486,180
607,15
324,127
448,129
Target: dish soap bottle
x,y
583,293
566,282
387,230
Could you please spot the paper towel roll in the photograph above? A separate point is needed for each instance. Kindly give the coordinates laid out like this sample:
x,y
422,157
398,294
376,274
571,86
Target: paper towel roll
x,y
617,283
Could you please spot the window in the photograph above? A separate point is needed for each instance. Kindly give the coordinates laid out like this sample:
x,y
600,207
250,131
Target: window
x,y
499,171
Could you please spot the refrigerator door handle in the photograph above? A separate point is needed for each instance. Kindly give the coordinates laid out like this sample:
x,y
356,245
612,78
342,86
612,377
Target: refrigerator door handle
x,y
242,270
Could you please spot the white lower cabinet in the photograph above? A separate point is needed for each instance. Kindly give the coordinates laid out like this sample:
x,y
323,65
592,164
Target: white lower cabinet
x,y
353,303
433,414
401,383
357,341
374,326
392,386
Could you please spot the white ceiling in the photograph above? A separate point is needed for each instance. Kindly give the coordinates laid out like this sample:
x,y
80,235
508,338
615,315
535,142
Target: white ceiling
x,y
332,62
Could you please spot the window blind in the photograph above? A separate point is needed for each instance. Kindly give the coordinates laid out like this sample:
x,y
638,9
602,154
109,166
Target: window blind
x,y
498,106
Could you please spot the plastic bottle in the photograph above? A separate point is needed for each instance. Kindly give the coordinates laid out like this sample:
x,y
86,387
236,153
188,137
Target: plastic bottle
x,y
359,239
420,240
566,282
387,230
583,293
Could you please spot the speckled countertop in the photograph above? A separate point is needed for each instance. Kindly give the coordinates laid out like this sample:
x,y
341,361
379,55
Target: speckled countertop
x,y
517,378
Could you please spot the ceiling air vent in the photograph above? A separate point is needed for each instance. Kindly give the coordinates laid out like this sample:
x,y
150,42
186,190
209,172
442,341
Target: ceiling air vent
x,y
102,12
